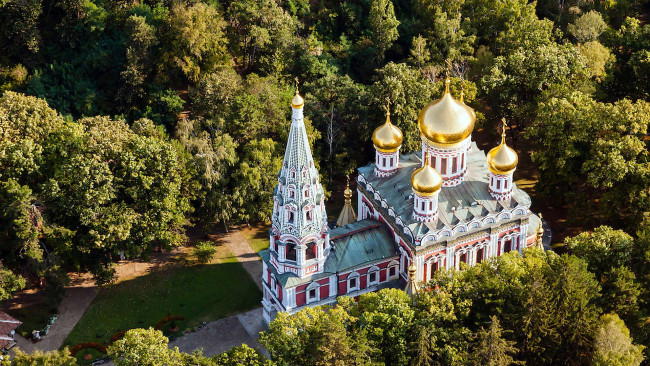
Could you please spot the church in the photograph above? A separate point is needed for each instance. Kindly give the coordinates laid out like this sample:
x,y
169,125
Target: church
x,y
437,208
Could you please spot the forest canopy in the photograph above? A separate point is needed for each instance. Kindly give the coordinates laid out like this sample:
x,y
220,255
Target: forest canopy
x,y
123,122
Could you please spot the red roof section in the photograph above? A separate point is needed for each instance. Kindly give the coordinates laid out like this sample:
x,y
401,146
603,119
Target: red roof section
x,y
7,324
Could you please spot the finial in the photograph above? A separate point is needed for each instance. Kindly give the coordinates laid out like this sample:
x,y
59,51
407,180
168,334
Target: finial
x,y
387,106
296,79
426,157
447,78
462,91
503,131
347,177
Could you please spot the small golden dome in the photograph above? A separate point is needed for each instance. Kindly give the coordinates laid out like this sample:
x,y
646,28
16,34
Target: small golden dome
x,y
446,121
297,102
387,137
412,271
426,181
502,159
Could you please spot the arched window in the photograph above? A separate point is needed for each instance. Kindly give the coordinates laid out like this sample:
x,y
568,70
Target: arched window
x,y
290,217
309,215
291,252
312,250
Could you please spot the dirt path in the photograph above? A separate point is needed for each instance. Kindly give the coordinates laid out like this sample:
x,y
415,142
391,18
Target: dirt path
x,y
245,254
73,306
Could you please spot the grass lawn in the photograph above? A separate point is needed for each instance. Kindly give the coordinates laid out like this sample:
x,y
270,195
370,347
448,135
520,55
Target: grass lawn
x,y
257,236
197,292
34,316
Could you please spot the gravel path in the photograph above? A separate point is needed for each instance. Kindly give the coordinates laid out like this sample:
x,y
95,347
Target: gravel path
x,y
71,309
239,246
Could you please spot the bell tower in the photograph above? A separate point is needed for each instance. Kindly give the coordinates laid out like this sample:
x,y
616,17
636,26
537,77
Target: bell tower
x,y
299,235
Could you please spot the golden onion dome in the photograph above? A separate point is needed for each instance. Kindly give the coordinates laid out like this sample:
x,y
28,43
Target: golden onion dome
x,y
502,159
387,137
426,181
446,121
297,102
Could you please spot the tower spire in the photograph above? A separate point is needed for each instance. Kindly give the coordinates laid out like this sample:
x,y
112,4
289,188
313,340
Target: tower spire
x,y
347,214
412,287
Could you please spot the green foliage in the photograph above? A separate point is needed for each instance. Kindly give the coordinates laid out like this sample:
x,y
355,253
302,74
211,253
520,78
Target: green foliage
x,y
613,344
242,355
38,358
9,283
194,41
612,167
491,349
204,251
383,26
588,27
145,347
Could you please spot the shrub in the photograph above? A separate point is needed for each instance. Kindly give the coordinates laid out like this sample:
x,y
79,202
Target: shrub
x,y
204,251
164,320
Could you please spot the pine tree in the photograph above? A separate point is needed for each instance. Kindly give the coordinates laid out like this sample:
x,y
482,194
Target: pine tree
x,y
491,349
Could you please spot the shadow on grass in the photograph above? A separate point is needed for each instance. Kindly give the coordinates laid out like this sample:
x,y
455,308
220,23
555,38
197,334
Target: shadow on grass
x,y
199,293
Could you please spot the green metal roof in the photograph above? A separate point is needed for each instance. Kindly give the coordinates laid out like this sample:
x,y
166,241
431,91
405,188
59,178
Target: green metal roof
x,y
357,244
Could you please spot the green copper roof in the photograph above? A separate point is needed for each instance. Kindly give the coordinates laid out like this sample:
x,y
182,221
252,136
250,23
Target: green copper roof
x,y
357,244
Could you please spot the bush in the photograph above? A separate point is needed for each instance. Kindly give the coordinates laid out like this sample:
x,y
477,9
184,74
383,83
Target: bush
x,y
204,251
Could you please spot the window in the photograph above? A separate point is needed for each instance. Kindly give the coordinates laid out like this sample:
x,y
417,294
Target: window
x,y
431,205
372,277
308,214
312,250
391,161
422,205
291,193
312,294
293,174
291,217
291,252
505,184
443,166
479,255
383,161
462,160
463,258
433,161
392,271
507,246
498,184
454,163
306,192
353,283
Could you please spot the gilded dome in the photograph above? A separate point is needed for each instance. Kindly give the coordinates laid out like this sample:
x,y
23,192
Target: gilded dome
x,y
446,121
426,181
387,137
297,102
502,159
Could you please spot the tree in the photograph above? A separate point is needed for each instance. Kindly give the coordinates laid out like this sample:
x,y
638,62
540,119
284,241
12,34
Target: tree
x,y
611,167
9,283
261,34
383,27
602,249
491,349
613,345
139,60
204,251
243,355
316,336
143,347
194,40
420,54
588,27
52,358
